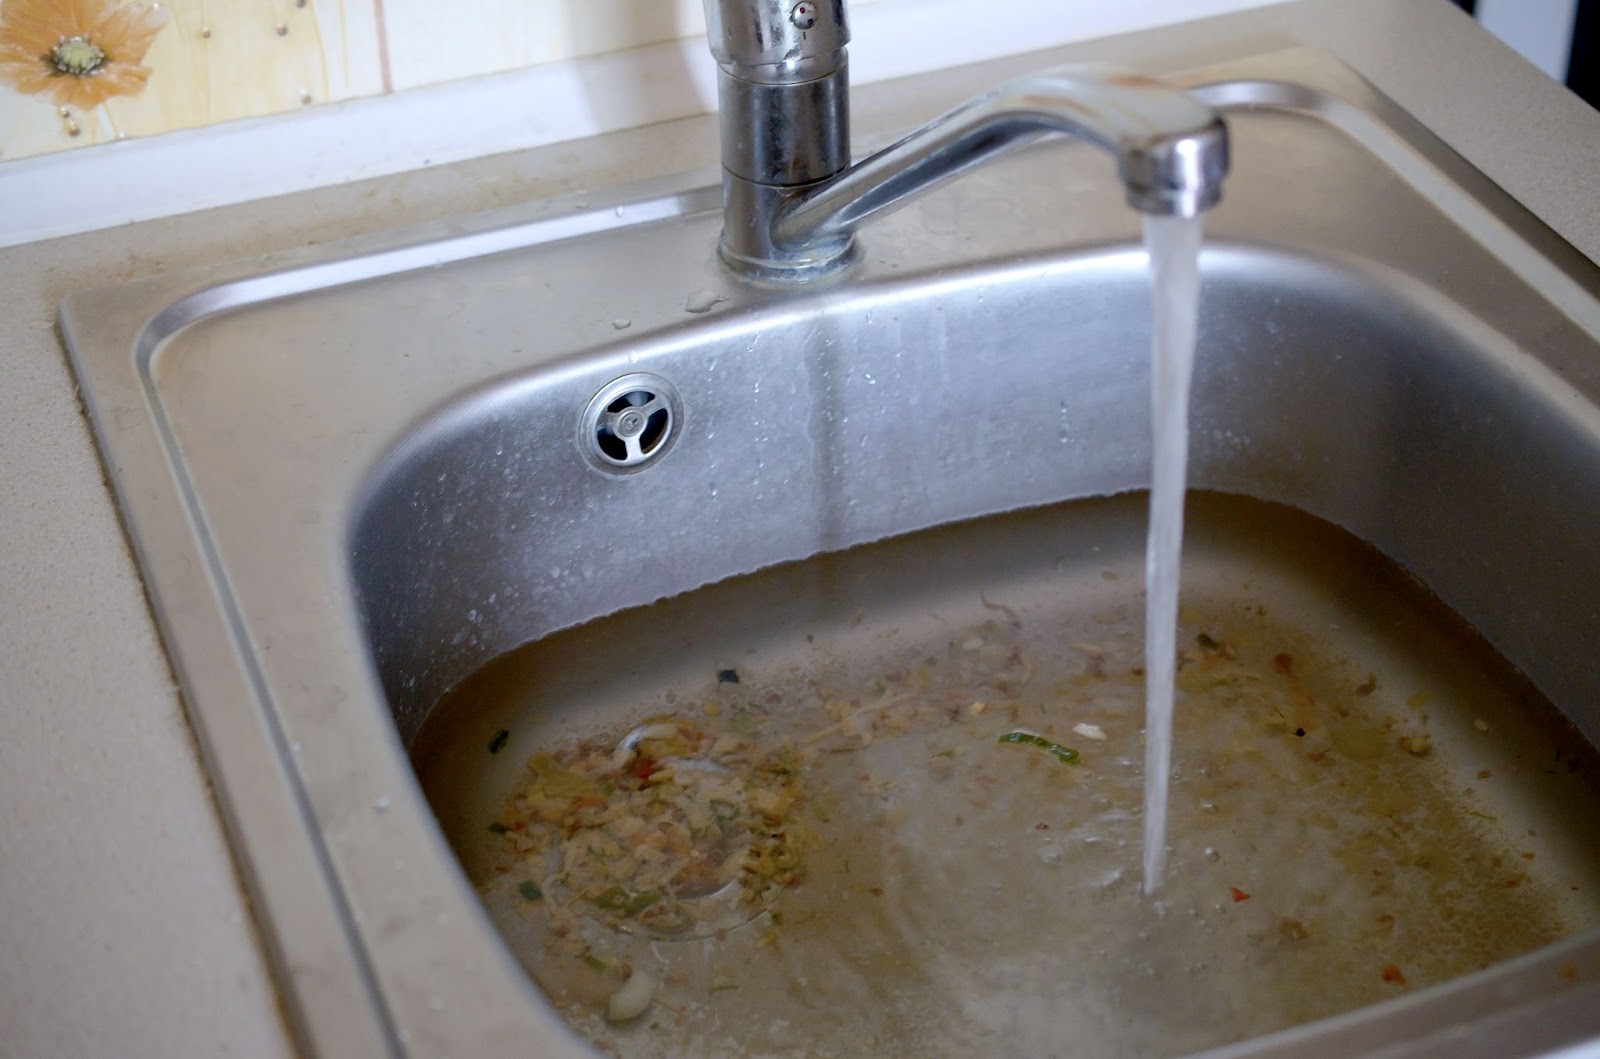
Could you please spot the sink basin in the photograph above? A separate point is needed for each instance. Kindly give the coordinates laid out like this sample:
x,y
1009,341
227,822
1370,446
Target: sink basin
x,y
355,477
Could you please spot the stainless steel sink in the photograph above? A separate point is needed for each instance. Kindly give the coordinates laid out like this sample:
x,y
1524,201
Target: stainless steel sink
x,y
354,477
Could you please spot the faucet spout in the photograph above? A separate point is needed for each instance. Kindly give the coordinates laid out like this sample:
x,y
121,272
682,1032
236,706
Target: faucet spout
x,y
1171,153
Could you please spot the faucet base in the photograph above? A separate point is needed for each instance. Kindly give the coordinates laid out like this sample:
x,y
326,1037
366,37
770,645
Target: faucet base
x,y
747,245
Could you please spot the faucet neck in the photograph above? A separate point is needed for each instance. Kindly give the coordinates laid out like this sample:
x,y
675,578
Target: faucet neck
x,y
754,34
783,90
790,130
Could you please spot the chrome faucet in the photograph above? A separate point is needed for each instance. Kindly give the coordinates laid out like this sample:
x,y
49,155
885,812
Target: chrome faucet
x,y
791,200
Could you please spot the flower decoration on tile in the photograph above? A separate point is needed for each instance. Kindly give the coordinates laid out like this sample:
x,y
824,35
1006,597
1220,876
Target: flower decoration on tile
x,y
79,53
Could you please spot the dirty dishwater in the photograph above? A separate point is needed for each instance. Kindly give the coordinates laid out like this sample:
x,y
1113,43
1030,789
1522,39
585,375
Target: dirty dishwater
x,y
891,798
1174,247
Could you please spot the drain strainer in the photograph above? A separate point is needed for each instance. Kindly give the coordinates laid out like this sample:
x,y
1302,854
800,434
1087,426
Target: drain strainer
x,y
630,423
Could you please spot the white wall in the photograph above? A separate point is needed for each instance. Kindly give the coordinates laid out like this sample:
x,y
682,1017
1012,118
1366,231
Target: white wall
x,y
1541,30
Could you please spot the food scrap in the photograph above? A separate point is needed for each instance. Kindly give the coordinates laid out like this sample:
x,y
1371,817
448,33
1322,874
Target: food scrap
x,y
1022,737
1237,894
633,998
1392,973
1416,745
665,830
498,743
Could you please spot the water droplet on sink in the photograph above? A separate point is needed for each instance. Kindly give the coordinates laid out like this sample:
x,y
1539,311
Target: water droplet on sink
x,y
619,211
621,323
382,804
702,300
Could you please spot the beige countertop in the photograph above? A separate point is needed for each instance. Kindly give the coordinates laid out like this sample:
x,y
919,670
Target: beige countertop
x,y
123,925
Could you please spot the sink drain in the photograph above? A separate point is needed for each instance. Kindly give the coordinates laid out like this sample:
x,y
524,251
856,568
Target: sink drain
x,y
630,423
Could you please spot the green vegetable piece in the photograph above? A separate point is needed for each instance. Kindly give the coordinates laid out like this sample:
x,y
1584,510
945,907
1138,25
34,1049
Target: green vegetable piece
x,y
612,899
498,743
727,676
497,828
640,902
529,890
1064,754
595,963
1206,642
616,899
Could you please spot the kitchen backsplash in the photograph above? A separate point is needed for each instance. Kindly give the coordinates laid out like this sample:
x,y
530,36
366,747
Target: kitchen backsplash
x,y
76,72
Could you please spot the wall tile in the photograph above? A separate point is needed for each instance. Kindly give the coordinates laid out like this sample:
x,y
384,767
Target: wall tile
x,y
217,60
431,42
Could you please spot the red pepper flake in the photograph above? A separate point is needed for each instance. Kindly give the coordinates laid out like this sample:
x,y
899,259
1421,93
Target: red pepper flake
x,y
1237,894
1283,664
1041,827
875,891
1392,973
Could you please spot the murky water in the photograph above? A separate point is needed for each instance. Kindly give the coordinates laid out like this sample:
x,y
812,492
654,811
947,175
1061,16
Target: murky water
x,y
1365,799
1174,247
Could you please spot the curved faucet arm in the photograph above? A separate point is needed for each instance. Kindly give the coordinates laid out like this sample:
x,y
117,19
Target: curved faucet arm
x,y
1171,151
